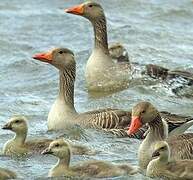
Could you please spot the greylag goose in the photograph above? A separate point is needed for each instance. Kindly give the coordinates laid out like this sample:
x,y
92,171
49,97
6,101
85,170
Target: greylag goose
x,y
19,146
64,113
181,145
7,174
102,73
94,168
161,166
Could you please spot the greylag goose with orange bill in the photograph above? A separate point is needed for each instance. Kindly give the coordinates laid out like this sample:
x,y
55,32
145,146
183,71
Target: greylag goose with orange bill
x,y
102,73
7,174
94,168
161,166
63,112
19,146
181,145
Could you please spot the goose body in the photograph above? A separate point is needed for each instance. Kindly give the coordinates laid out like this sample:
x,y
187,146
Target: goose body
x,y
102,73
19,146
100,76
7,174
63,113
162,166
60,113
94,168
181,145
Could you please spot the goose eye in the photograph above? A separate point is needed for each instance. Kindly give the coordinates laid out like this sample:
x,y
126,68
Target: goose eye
x,y
17,121
60,52
57,145
90,5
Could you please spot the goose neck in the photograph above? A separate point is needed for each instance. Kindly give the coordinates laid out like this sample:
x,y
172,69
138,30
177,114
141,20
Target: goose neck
x,y
66,90
100,33
63,162
20,137
157,129
164,159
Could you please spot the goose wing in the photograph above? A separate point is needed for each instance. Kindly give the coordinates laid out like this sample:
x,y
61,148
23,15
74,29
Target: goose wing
x,y
183,74
177,124
180,169
106,118
156,71
38,146
181,146
116,121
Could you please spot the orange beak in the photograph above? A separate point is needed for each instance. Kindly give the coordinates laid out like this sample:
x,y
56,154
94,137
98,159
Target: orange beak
x,y
78,9
44,57
135,125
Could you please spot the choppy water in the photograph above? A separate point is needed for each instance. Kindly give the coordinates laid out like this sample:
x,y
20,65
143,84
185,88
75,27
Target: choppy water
x,y
153,31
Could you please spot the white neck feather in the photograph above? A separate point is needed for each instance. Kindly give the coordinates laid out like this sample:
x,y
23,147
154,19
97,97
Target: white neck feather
x,y
157,132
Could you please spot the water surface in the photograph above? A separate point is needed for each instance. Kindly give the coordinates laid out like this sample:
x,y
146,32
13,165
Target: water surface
x,y
153,31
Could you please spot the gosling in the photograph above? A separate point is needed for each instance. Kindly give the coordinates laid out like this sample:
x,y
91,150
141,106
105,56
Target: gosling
x,y
94,168
162,167
19,146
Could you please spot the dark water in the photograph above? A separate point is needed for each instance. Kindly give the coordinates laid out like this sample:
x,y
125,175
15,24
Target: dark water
x,y
153,31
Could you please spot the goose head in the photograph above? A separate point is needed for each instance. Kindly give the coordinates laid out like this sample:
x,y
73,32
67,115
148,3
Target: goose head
x,y
142,113
90,10
161,150
58,148
17,124
61,58
117,51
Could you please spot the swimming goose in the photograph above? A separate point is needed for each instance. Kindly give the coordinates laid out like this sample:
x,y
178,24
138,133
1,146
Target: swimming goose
x,y
181,145
161,166
64,113
156,71
7,174
19,146
94,168
102,73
